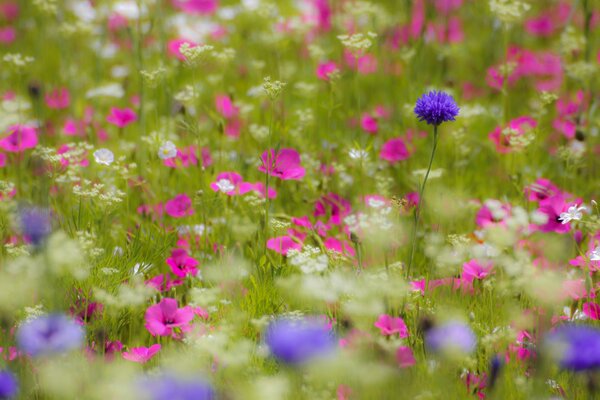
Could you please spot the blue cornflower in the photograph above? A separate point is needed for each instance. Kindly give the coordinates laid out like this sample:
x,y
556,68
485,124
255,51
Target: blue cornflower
x,y
8,385
451,337
35,224
436,107
297,341
49,334
575,347
168,386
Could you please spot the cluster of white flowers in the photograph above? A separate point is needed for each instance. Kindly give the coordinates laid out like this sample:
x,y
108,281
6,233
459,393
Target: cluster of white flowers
x,y
310,259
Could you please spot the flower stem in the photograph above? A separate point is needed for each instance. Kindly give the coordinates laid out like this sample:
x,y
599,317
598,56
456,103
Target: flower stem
x,y
420,201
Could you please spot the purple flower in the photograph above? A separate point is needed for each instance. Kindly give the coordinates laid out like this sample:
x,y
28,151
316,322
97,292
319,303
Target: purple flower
x,y
575,347
297,341
169,386
436,107
35,224
451,337
8,385
48,334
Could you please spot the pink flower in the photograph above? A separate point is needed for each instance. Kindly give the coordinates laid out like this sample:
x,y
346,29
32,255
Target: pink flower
x,y
7,35
197,6
121,117
389,326
165,319
486,217
225,107
174,45
141,354
259,189
231,183
541,189
518,126
592,310
334,206
284,164
179,206
2,160
283,244
182,264
552,207
20,138
369,124
394,150
325,69
163,282
405,357
474,270
58,99
342,247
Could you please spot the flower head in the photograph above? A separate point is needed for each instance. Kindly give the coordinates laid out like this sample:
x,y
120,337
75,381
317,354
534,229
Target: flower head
x,y
575,347
121,117
141,354
35,224
298,341
167,150
436,107
166,319
451,337
104,156
48,334
20,138
284,164
179,206
8,385
389,325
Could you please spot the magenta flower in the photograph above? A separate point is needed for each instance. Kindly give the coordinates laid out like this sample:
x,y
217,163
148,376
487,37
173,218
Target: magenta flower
x,y
230,183
592,310
394,150
474,270
259,189
334,206
283,244
182,264
225,107
166,319
284,164
174,45
552,207
389,325
179,206
121,117
325,69
405,357
197,6
141,354
369,124
20,138
541,189
164,282
58,99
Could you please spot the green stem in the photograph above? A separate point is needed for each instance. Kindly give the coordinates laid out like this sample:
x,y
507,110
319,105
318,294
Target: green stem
x,y
420,203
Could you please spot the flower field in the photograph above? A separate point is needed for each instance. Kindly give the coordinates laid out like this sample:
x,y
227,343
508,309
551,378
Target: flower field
x,y
299,199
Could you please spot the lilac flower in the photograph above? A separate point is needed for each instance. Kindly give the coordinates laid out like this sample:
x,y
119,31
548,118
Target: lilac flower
x,y
8,385
48,334
451,337
169,386
35,224
436,107
575,347
295,342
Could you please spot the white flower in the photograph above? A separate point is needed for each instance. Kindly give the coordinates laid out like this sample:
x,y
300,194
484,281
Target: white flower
x,y
104,156
167,150
573,213
595,254
110,90
225,185
357,154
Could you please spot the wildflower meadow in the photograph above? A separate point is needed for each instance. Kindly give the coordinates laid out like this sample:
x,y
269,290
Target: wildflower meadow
x,y
299,199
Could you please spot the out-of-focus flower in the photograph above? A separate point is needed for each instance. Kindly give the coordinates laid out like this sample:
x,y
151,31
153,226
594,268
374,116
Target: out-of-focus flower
x,y
298,341
284,164
167,150
389,325
104,156
436,107
35,224
141,354
575,347
9,385
451,337
405,357
179,206
182,264
121,117
326,70
394,150
19,138
197,6
58,99
171,387
49,334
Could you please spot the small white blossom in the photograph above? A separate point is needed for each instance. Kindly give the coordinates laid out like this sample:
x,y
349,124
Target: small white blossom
x,y
104,156
573,213
225,185
595,254
167,150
